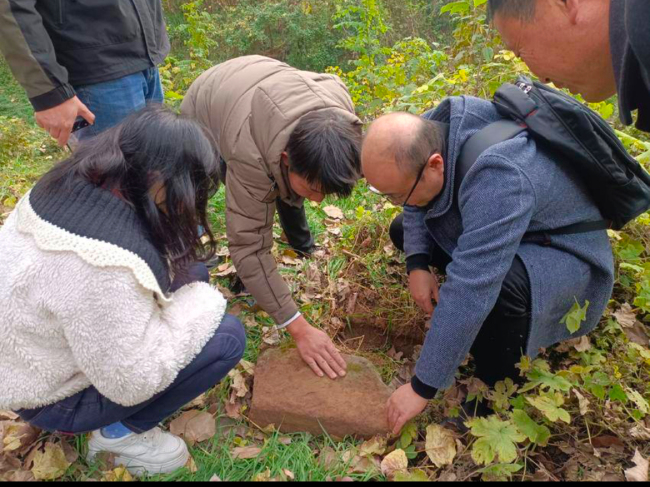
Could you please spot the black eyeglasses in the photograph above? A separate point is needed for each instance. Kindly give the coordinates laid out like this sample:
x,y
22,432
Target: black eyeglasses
x,y
391,198
417,181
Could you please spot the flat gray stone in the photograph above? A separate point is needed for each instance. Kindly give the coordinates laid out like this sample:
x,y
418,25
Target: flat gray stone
x,y
288,394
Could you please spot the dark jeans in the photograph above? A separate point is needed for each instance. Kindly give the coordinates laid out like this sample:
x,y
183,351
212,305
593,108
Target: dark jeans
x,y
504,334
88,410
293,220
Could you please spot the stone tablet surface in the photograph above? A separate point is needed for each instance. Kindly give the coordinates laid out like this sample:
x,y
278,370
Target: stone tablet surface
x,y
289,395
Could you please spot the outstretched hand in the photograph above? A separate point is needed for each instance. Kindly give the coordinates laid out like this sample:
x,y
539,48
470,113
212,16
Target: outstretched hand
x,y
424,288
403,405
317,350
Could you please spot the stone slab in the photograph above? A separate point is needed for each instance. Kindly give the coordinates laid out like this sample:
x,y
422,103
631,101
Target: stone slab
x,y
289,395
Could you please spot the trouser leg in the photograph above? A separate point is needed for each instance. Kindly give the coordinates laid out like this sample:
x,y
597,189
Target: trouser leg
x,y
503,338
295,226
88,410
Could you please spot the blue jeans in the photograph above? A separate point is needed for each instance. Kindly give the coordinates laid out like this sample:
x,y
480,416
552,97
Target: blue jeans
x,y
112,101
88,410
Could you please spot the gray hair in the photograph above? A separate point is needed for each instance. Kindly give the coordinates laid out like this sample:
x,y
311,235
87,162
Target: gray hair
x,y
523,10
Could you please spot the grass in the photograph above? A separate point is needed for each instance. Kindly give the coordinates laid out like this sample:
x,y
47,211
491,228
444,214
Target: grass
x,y
360,261
13,100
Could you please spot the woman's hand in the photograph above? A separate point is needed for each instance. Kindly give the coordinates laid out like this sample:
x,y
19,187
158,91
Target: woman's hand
x,y
424,288
316,349
403,406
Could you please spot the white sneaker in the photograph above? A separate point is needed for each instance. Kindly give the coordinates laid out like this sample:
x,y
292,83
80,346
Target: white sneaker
x,y
152,452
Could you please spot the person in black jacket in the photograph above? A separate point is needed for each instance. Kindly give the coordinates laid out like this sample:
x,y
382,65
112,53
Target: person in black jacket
x,y
593,47
94,59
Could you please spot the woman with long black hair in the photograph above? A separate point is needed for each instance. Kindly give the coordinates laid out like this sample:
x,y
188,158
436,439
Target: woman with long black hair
x,y
107,321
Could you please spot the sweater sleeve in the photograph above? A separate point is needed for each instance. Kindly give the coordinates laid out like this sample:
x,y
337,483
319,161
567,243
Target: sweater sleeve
x,y
128,344
494,222
29,52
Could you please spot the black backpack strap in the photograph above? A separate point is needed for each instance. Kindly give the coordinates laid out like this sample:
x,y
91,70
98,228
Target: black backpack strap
x,y
543,237
491,135
478,143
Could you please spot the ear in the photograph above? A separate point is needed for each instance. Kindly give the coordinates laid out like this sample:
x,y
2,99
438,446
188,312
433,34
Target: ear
x,y
437,163
284,158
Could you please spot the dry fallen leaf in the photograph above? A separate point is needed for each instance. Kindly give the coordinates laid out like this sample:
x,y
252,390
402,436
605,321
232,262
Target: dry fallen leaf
x,y
374,446
16,435
393,463
640,432
583,402
639,473
270,335
119,474
238,383
247,367
194,426
440,445
637,334
625,316
244,452
233,407
215,478
333,212
328,458
334,230
291,260
363,464
582,344
191,465
50,464
225,270
264,476
290,475
21,476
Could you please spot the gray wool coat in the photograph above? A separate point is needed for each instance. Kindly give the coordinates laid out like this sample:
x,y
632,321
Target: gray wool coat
x,y
512,188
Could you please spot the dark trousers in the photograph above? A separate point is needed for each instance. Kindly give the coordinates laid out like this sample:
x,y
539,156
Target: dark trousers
x,y
293,220
88,410
504,334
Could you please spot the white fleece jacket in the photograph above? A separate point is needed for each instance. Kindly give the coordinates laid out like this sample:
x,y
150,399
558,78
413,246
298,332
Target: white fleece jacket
x,y
76,312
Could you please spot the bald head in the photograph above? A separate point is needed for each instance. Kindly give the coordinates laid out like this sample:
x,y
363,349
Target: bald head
x,y
401,139
395,151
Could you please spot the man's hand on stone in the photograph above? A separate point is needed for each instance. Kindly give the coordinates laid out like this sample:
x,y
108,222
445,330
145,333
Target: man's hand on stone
x,y
316,349
424,288
403,406
58,120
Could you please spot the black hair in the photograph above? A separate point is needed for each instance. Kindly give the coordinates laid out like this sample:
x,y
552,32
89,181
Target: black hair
x,y
324,149
523,10
154,146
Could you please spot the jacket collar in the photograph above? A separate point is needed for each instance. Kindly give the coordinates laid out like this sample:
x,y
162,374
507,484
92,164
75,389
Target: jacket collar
x,y
87,211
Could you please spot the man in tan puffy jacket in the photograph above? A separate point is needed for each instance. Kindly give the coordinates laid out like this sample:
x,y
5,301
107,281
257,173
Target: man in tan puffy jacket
x,y
284,135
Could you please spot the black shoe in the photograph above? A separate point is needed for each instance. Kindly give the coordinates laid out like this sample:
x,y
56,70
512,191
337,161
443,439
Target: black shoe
x,y
237,287
213,262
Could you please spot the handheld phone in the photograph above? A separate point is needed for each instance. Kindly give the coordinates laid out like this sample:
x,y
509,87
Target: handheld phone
x,y
79,123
